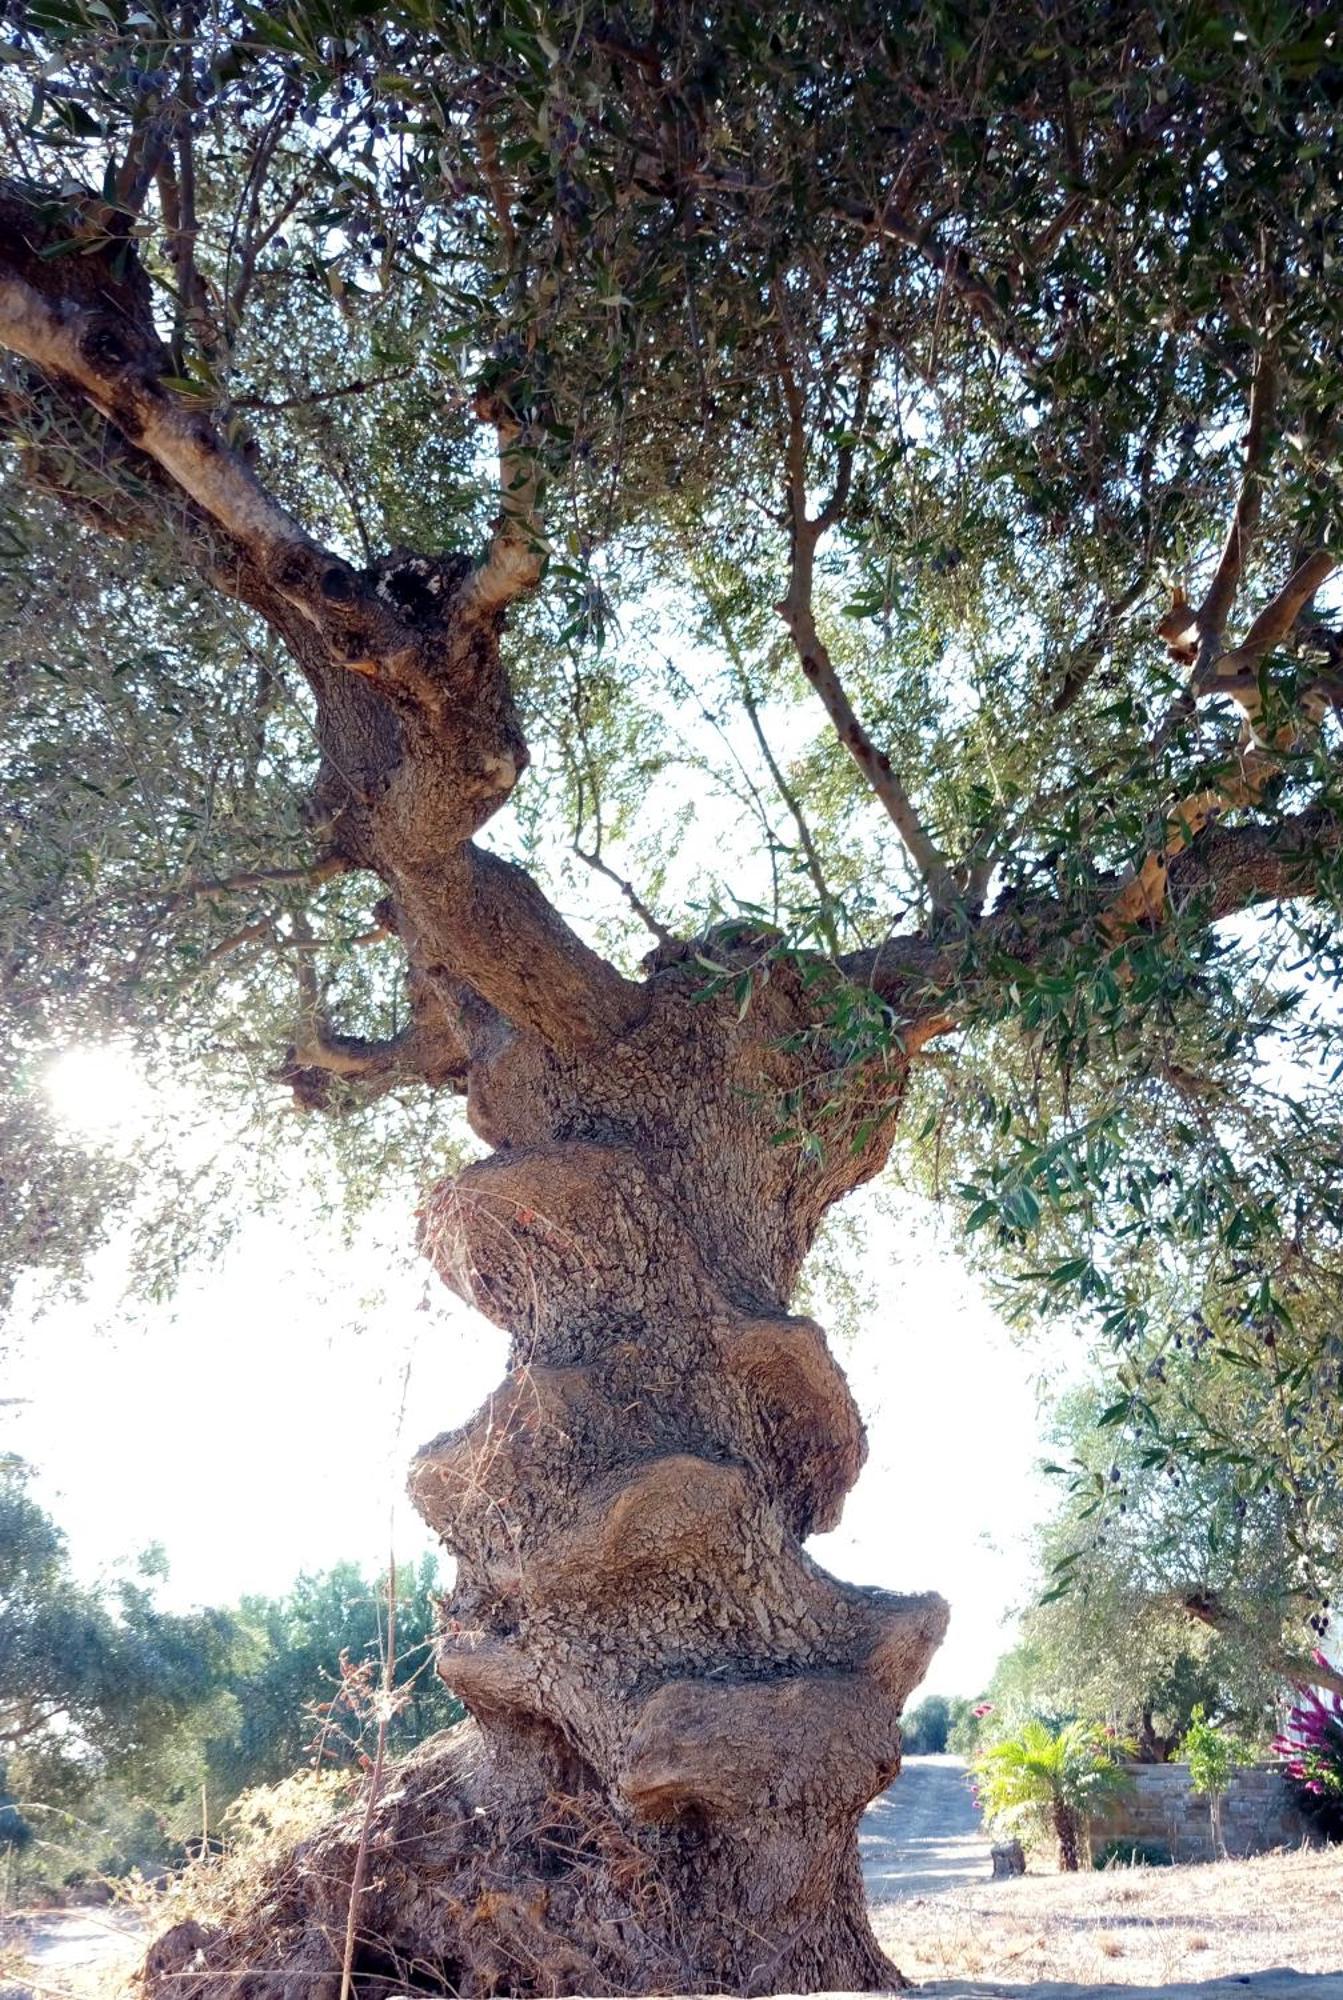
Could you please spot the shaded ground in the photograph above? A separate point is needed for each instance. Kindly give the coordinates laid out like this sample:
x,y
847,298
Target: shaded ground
x,y
924,1834
1172,1931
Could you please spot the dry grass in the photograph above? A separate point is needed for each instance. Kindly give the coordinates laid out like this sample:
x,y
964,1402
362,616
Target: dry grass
x,y
90,1952
1128,1926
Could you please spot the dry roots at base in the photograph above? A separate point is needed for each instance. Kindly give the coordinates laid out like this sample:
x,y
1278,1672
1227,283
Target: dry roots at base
x,y
457,1900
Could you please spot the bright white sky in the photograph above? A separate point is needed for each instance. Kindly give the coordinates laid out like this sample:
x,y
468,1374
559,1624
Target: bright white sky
x,y
261,1424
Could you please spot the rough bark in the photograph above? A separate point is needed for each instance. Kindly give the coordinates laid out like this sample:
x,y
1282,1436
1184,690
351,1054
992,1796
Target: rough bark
x,y
1066,1832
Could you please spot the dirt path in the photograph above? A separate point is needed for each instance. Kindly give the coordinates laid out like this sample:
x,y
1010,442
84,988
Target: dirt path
x,y
924,1834
78,1952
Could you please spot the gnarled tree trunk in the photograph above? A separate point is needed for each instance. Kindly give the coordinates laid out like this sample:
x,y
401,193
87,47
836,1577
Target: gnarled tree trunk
x,y
680,1716
635,1620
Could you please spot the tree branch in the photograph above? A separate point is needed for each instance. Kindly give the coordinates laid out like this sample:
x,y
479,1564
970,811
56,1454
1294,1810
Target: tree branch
x,y
952,265
151,135
796,611
729,639
629,892
433,1048
932,984
1083,660
325,1069
324,869
416,723
255,235
1235,673
511,946
116,364
1206,1608
833,510
1229,671
1217,605
516,555
360,386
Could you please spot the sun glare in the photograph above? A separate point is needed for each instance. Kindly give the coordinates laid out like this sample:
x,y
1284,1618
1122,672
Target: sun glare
x,y
98,1091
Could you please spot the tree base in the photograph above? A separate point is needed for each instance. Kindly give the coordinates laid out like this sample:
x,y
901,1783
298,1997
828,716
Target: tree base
x,y
469,1893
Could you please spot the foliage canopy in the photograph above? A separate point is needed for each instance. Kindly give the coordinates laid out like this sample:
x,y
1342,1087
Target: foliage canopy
x,y
871,385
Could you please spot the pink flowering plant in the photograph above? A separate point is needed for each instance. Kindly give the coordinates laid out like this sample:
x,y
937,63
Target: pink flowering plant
x,y
1310,1747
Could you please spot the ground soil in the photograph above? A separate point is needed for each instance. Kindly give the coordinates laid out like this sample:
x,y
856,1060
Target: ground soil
x,y
924,1835
79,1954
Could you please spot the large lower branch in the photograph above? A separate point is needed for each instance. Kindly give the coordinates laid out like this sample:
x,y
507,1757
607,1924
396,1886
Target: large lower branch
x,y
493,928
419,734
932,983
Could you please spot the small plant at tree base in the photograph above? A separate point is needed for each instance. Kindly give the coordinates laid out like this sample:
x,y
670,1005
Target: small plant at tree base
x,y
1310,1747
1054,1782
1213,1755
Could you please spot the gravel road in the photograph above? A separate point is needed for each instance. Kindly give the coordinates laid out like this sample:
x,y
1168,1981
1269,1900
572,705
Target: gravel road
x,y
924,1834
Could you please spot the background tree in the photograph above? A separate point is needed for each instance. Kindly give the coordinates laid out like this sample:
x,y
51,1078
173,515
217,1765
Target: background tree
x,y
106,1702
959,340
1050,1782
926,1727
126,1733
291,1704
1140,1534
1213,1756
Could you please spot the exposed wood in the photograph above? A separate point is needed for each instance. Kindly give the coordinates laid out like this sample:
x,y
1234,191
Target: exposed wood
x,y
1217,605
1207,1608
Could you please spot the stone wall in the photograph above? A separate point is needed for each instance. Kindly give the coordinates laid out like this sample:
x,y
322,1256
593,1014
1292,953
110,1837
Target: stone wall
x,y
1257,1813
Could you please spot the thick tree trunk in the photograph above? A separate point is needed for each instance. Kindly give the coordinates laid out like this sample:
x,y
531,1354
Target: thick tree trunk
x,y
680,1716
635,1620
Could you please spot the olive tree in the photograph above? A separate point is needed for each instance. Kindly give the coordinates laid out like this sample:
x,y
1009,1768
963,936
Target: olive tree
x,y
917,429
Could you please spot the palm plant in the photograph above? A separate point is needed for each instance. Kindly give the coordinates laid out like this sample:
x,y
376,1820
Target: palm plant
x,y
1058,1779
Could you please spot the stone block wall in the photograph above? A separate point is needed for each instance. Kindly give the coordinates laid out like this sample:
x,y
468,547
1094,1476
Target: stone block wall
x,y
1257,1813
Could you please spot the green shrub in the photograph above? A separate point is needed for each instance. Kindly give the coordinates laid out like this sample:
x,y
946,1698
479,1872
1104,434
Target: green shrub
x,y
1132,1854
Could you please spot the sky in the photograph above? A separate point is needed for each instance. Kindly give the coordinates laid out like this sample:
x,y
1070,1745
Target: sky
x,y
261,1423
